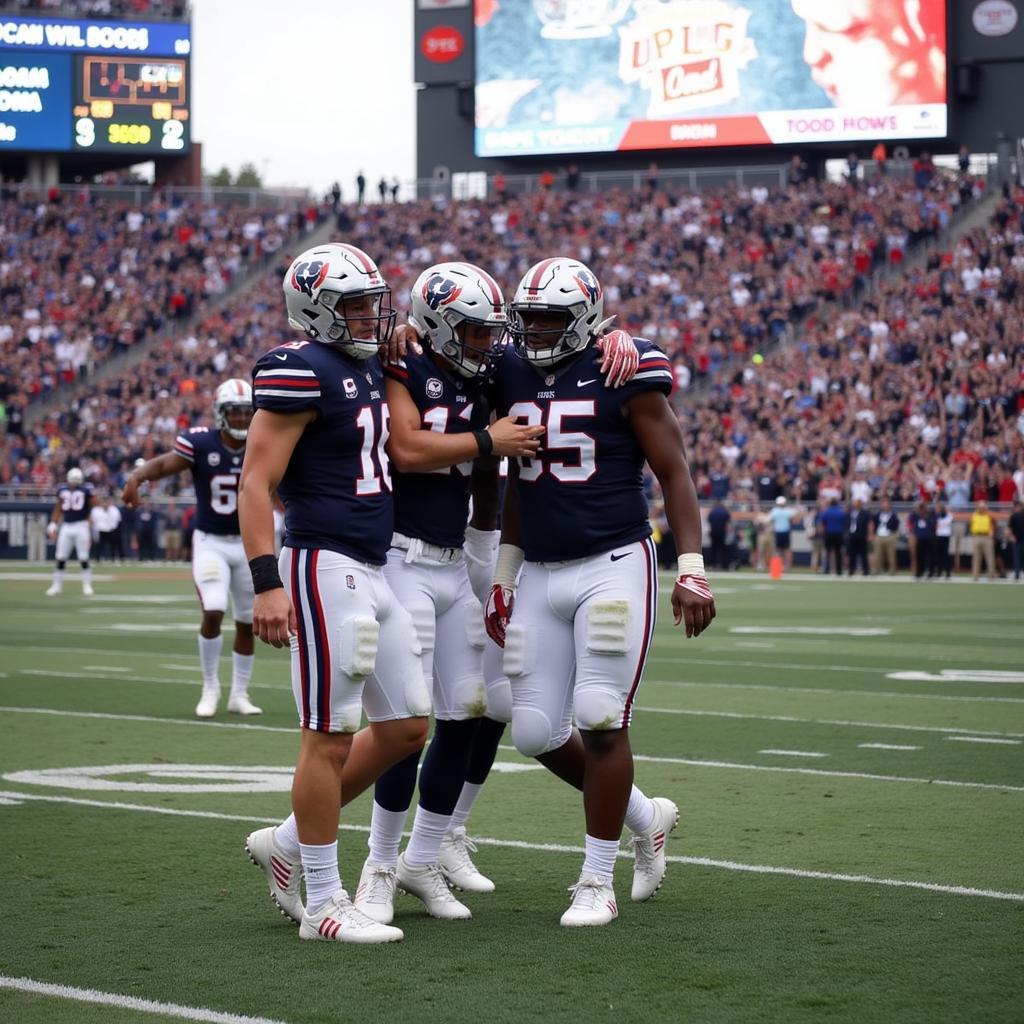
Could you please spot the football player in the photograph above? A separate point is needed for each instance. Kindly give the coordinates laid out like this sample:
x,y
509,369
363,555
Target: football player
x,y
219,567
440,405
69,523
575,522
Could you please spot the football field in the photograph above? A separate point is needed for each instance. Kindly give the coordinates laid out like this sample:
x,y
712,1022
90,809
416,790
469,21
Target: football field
x,y
847,755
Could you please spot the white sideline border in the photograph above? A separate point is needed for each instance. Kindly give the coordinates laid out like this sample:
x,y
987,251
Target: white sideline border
x,y
120,1002
517,844
689,762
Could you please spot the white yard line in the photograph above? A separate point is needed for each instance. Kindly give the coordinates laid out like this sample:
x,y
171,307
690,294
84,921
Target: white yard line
x,y
793,753
57,674
516,844
886,746
148,718
982,739
821,721
91,995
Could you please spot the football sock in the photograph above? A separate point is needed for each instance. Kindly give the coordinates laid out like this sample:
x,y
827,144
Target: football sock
x,y
385,834
600,857
287,837
428,832
470,791
394,789
241,672
58,577
86,575
445,764
209,656
639,811
485,747
320,866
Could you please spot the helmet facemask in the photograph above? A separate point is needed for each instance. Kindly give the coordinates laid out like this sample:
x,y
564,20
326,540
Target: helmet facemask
x,y
222,416
358,331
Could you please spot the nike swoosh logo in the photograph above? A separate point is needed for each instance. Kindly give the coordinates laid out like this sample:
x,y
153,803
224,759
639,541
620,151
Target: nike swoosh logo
x,y
625,554
282,358
584,383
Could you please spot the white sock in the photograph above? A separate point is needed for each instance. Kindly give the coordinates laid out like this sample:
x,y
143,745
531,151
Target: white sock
x,y
320,866
470,791
241,672
287,837
87,576
428,832
58,577
209,656
385,834
600,857
639,811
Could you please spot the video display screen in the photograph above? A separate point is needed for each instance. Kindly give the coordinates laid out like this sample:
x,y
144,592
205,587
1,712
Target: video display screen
x,y
574,76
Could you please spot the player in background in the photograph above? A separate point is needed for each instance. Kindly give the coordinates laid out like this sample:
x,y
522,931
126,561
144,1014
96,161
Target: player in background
x,y
440,405
69,523
219,567
318,439
575,522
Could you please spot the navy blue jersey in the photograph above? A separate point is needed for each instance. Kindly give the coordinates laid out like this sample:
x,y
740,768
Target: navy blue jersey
x,y
215,472
337,487
434,506
74,502
583,494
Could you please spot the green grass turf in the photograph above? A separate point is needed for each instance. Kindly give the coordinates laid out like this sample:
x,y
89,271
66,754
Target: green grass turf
x,y
166,907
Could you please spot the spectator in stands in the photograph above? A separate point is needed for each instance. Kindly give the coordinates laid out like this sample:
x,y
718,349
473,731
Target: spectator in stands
x,y
360,188
719,519
782,526
833,526
923,529
395,186
335,197
147,522
572,178
880,156
500,183
172,533
1015,527
886,538
983,545
943,536
382,189
858,531
106,524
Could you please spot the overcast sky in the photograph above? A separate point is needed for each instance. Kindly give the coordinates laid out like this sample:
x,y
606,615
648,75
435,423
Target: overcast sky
x,y
309,91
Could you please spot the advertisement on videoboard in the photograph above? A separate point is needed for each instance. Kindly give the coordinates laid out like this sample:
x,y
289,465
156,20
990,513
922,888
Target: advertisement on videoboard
x,y
575,76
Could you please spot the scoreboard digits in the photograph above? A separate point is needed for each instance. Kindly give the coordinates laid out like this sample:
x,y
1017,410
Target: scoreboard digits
x,y
94,86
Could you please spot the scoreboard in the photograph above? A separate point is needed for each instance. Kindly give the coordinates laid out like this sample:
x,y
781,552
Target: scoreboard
x,y
103,86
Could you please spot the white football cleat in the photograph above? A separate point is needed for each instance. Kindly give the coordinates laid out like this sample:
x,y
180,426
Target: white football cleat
x,y
339,920
428,884
457,865
375,894
87,590
207,706
649,850
239,704
593,903
55,589
283,874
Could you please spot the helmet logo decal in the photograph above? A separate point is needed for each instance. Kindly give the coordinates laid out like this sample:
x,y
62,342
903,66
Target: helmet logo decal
x,y
588,284
307,276
439,291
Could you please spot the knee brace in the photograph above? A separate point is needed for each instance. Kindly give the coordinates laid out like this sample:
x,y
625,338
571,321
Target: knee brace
x,y
531,731
357,651
608,626
597,709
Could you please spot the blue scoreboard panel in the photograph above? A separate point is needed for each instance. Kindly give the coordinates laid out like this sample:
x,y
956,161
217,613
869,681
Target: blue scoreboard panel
x,y
111,87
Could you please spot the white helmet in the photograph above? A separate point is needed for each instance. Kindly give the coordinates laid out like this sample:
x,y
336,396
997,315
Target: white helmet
x,y
558,285
234,394
75,477
448,295
315,287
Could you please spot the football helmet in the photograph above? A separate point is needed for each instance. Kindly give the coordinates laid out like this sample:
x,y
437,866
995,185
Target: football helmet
x,y
449,297
317,287
75,477
231,396
559,285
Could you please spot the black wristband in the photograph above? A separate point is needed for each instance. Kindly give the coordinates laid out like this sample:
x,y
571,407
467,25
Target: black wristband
x,y
264,573
484,441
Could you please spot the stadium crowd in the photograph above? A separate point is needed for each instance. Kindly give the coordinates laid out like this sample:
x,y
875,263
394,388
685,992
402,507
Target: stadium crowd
x,y
137,10
909,388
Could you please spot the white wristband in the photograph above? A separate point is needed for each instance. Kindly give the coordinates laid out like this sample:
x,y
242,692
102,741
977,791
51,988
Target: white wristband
x,y
510,561
691,565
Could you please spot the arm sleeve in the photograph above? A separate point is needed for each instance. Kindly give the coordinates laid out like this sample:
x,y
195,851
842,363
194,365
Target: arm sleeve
x,y
282,381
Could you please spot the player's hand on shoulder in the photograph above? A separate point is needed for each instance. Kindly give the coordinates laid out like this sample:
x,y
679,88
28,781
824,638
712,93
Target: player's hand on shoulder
x,y
515,439
498,612
620,358
693,604
404,339
273,618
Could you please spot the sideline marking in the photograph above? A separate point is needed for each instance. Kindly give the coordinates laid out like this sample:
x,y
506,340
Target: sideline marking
x,y
106,668
793,753
814,630
518,844
886,746
959,675
91,995
983,739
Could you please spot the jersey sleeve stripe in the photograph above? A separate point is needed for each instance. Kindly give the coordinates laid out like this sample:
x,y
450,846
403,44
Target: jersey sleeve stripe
x,y
656,375
183,441
654,354
272,393
185,453
273,371
396,372
287,382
